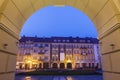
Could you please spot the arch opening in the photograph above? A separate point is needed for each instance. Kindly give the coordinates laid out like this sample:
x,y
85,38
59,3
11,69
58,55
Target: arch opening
x,y
62,66
104,22
55,66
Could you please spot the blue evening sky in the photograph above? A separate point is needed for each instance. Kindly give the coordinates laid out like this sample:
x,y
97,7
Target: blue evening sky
x,y
59,21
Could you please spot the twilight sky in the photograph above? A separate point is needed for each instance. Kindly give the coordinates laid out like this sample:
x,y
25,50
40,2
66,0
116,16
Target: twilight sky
x,y
59,21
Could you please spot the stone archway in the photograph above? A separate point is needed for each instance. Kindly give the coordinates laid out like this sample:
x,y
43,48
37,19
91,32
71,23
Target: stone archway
x,y
105,14
55,66
69,65
62,66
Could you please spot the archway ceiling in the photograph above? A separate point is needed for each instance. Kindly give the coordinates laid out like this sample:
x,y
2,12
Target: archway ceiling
x,y
17,12
90,7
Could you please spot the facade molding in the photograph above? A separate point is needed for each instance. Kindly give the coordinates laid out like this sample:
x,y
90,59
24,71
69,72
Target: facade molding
x,y
109,31
111,72
118,50
8,31
8,52
2,73
16,26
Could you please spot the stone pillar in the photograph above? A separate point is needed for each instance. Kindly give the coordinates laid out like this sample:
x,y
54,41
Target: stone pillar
x,y
110,49
9,36
42,65
58,65
8,54
65,65
108,26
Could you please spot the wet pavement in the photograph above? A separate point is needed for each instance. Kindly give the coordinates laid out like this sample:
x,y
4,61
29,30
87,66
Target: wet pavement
x,y
77,77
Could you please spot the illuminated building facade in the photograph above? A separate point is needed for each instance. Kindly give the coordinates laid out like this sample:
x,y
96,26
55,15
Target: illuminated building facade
x,y
58,53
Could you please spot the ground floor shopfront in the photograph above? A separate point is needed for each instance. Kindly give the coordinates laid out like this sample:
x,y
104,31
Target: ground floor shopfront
x,y
48,65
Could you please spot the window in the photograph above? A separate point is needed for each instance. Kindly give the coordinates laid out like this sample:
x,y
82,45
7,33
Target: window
x,y
27,51
54,57
42,51
55,40
63,41
75,46
91,46
83,41
46,50
42,45
75,51
36,45
70,51
55,46
80,40
77,57
46,57
56,51
67,40
59,40
68,46
61,46
88,41
46,45
91,51
75,40
35,50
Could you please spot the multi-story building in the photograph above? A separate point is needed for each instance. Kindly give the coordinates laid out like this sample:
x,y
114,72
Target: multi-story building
x,y
58,53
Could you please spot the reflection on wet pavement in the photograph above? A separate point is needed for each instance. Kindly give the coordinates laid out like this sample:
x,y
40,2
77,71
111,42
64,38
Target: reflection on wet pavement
x,y
81,77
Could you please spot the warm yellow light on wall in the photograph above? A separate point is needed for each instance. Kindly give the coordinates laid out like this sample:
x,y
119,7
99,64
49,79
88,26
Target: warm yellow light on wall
x,y
29,61
69,61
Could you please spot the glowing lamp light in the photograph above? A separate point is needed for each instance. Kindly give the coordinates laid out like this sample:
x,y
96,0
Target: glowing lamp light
x,y
69,78
29,61
28,78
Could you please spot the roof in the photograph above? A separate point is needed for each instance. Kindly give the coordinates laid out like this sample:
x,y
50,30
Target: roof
x,y
60,39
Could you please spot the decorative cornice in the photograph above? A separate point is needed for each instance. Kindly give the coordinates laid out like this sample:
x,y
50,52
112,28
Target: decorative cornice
x,y
109,31
7,30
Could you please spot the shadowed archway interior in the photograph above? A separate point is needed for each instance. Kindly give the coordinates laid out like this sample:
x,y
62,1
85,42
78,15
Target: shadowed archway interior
x,y
105,14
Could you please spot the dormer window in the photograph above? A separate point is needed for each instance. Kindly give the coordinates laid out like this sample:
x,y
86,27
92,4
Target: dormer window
x,y
58,40
63,41
88,41
55,40
80,40
75,40
83,40
67,40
